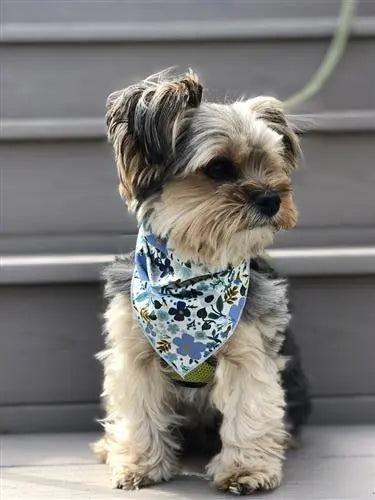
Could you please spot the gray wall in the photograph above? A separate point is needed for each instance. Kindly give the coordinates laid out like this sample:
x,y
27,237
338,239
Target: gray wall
x,y
59,194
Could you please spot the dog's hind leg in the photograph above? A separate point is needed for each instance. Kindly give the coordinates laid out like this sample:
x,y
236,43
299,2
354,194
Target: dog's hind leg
x,y
140,445
249,395
100,449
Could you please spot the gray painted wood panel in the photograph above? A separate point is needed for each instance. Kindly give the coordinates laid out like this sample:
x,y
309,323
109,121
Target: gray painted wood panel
x,y
87,267
33,11
117,243
334,318
66,417
73,80
72,187
49,337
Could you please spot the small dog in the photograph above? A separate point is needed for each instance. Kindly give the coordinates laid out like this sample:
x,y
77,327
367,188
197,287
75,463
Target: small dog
x,y
196,335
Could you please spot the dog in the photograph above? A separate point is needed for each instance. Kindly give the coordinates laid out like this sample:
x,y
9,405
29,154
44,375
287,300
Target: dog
x,y
197,323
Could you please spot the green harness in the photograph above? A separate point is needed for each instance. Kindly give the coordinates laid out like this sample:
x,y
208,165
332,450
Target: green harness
x,y
202,375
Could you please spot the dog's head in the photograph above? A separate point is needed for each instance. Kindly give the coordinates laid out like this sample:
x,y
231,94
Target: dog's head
x,y
212,178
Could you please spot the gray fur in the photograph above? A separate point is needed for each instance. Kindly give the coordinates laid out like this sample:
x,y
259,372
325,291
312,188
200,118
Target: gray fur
x,y
267,296
118,275
267,301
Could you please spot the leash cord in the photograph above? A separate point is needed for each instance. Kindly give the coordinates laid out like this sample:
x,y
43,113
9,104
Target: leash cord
x,y
333,55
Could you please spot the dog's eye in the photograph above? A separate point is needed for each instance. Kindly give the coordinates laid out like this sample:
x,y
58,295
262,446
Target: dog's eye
x,y
221,170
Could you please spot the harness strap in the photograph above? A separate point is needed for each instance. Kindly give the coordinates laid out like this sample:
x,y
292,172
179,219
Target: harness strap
x,y
202,375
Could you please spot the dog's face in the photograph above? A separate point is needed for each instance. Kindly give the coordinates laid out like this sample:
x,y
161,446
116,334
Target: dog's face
x,y
213,178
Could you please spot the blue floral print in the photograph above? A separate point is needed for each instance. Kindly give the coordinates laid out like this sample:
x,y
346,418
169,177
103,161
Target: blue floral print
x,y
171,357
173,328
187,311
141,263
188,347
162,315
180,312
236,309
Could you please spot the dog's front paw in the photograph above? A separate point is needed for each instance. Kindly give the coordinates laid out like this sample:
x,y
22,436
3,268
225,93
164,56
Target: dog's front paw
x,y
130,480
245,479
127,476
246,482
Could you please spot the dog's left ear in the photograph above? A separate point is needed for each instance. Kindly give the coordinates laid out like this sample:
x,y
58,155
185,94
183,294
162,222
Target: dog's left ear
x,y
272,111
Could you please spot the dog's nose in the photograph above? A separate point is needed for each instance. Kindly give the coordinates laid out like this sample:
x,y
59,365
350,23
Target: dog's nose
x,y
267,202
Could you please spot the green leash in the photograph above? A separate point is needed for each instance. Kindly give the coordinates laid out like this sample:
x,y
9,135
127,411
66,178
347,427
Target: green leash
x,y
333,55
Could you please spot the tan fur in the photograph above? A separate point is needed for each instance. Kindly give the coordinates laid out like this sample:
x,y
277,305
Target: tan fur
x,y
212,224
139,399
143,407
249,395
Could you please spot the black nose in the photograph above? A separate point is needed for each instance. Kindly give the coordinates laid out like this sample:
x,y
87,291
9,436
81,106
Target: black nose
x,y
267,202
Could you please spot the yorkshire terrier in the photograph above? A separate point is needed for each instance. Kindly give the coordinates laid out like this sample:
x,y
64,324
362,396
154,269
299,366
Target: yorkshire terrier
x,y
197,324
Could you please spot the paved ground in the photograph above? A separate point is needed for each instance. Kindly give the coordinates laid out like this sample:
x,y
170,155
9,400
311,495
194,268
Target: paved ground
x,y
334,463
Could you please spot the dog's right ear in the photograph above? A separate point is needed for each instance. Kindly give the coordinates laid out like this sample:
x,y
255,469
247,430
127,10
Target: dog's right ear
x,y
142,120
272,111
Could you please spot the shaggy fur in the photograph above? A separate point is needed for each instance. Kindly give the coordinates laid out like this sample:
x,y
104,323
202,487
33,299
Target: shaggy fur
x,y
194,172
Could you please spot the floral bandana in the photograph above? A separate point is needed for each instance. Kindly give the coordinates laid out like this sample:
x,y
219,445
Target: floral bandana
x,y
186,311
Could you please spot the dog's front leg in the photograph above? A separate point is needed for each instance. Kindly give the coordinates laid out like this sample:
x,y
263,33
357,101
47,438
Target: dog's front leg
x,y
249,396
139,445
